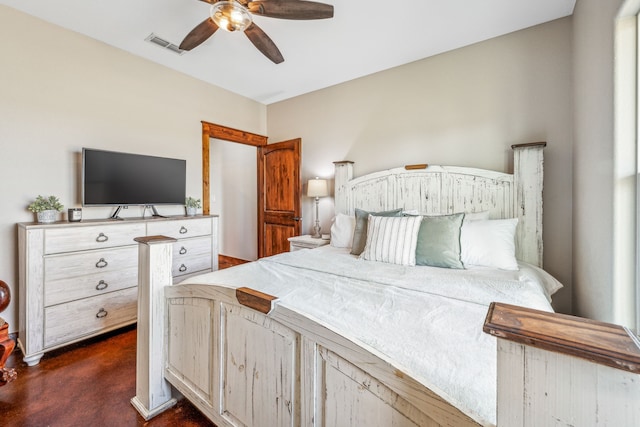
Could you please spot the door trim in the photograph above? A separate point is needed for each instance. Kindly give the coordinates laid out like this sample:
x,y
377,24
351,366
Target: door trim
x,y
212,130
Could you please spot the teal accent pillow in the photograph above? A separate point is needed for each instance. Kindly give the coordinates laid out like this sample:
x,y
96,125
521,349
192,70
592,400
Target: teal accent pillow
x,y
360,232
439,241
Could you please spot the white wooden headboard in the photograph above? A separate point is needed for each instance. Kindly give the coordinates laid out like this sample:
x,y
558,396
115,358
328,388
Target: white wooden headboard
x,y
439,190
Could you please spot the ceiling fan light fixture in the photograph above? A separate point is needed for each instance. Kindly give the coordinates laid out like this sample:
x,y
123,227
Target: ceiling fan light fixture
x,y
230,16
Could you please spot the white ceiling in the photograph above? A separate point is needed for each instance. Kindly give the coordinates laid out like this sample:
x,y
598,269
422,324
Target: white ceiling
x,y
362,38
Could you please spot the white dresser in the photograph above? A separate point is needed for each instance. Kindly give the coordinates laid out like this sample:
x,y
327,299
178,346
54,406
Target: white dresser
x,y
78,280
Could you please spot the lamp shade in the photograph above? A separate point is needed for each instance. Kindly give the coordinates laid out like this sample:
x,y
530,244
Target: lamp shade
x,y
317,188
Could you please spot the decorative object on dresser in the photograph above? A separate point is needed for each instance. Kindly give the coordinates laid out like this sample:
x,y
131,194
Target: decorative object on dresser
x,y
46,208
305,242
6,343
317,188
192,205
74,214
80,279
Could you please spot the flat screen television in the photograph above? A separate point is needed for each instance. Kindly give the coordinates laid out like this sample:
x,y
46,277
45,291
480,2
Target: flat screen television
x,y
111,178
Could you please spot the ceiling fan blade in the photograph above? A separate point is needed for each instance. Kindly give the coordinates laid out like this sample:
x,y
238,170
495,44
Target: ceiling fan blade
x,y
199,34
264,44
291,9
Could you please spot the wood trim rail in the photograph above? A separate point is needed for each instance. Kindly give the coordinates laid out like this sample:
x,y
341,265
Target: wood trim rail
x,y
150,240
234,135
529,144
599,342
256,300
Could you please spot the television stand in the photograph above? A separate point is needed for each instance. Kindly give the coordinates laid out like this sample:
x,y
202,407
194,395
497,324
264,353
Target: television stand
x,y
115,214
154,212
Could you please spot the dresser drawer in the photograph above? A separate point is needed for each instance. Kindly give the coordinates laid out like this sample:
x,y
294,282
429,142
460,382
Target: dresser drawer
x,y
65,290
181,228
191,264
68,239
59,267
186,248
66,322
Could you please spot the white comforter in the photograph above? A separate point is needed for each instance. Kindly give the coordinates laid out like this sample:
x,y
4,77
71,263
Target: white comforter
x,y
425,321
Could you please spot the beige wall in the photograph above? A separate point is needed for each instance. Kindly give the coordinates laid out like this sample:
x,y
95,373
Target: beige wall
x,y
593,40
465,107
60,91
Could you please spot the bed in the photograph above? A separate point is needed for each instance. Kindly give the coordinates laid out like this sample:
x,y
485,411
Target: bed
x,y
323,337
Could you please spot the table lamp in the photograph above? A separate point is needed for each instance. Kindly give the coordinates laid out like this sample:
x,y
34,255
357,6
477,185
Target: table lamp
x,y
317,188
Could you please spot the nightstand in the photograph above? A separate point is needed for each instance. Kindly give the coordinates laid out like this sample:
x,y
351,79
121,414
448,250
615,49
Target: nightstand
x,y
305,242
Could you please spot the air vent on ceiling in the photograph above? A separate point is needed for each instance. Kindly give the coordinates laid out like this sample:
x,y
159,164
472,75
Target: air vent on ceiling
x,y
152,38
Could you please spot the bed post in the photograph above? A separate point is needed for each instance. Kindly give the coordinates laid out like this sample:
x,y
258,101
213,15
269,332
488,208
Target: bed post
x,y
343,174
153,392
528,171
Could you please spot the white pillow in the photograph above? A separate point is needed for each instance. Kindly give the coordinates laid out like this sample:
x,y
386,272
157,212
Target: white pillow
x,y
392,239
342,228
489,243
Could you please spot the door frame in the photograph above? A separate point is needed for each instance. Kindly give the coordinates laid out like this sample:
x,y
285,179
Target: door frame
x,y
212,130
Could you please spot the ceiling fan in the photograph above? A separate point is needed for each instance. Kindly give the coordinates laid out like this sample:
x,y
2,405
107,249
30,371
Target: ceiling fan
x,y
235,15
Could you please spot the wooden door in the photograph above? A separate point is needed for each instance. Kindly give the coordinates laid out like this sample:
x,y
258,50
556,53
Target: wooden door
x,y
279,192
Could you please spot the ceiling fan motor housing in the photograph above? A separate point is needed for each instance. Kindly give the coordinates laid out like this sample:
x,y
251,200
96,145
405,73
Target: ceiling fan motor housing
x,y
236,15
230,16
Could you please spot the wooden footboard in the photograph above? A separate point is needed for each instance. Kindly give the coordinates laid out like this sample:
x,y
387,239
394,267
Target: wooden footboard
x,y
242,367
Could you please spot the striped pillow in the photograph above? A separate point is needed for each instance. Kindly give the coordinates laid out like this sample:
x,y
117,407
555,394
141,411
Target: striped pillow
x,y
392,239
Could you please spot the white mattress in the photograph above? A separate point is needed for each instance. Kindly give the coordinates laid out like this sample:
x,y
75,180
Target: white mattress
x,y
425,321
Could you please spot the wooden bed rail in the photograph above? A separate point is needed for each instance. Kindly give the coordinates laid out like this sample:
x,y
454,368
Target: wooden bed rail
x,y
563,370
599,342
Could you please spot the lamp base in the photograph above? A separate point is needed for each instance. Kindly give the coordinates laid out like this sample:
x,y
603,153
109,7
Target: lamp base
x,y
316,232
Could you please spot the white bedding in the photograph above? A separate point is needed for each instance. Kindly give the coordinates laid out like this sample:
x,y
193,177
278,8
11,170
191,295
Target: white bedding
x,y
425,321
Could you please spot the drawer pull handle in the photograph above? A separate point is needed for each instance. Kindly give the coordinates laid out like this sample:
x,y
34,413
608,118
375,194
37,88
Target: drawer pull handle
x,y
102,285
183,250
101,263
183,230
182,268
102,313
102,238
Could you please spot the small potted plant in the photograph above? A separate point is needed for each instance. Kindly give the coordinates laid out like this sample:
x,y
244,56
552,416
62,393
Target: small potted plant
x,y
46,208
192,205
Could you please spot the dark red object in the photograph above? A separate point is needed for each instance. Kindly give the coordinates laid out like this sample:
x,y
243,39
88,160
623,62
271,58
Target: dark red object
x,y
5,296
